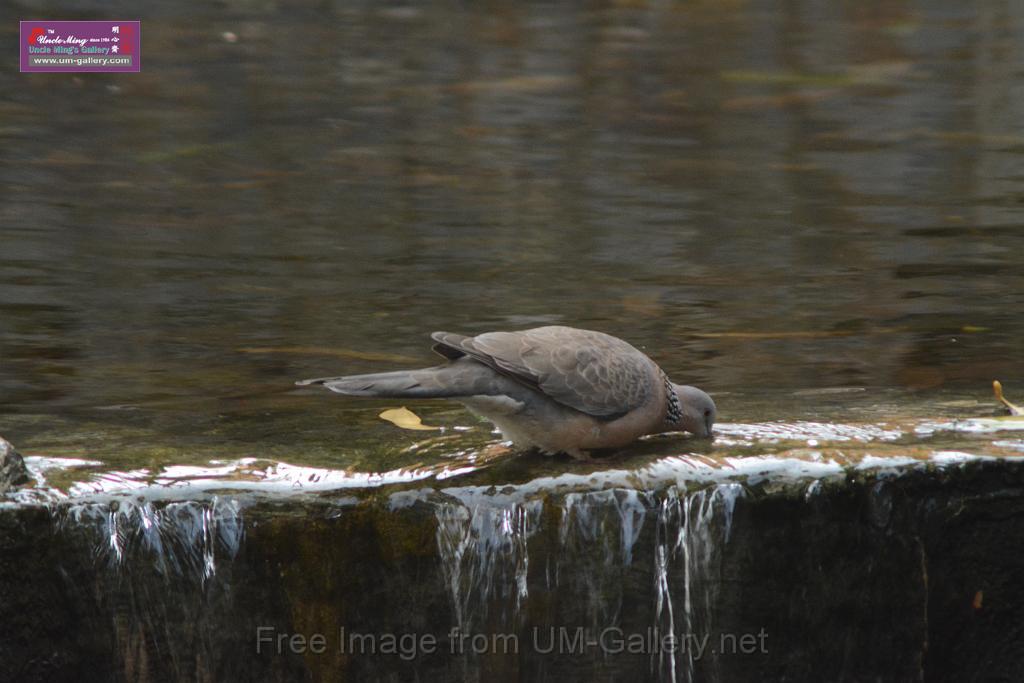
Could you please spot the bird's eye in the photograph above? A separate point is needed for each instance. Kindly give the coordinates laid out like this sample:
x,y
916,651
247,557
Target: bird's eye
x,y
707,413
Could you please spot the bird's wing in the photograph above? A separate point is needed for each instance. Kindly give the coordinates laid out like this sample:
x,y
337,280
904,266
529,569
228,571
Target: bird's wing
x,y
592,372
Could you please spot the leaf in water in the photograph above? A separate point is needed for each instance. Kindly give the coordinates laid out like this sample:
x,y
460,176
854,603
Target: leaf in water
x,y
997,388
404,418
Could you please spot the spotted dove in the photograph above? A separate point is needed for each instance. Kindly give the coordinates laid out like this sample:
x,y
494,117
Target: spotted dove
x,y
557,389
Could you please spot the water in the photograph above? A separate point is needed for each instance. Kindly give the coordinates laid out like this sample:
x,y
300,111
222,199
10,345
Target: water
x,y
179,538
769,200
483,550
811,210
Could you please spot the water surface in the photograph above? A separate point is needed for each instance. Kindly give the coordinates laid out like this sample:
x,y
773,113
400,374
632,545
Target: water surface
x,y
811,210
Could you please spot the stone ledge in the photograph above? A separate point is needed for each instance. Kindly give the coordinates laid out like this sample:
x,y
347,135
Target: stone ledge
x,y
904,576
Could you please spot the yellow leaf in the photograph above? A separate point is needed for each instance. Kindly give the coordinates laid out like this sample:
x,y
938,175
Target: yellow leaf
x,y
997,388
404,418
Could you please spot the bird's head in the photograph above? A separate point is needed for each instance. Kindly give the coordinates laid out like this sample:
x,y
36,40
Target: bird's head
x,y
697,411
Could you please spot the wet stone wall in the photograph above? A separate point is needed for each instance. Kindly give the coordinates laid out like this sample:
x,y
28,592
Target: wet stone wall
x,y
912,575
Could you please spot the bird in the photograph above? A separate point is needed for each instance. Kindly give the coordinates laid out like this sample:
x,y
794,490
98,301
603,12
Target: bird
x,y
555,389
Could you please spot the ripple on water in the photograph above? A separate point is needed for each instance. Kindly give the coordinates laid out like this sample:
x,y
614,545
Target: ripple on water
x,y
773,432
976,425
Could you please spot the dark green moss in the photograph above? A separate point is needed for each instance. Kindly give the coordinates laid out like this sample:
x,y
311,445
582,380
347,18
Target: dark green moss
x,y
865,578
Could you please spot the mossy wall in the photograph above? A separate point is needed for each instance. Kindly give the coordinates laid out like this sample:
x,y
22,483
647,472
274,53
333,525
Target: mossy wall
x,y
905,577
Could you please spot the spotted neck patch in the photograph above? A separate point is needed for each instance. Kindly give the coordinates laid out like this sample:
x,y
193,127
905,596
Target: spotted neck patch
x,y
673,410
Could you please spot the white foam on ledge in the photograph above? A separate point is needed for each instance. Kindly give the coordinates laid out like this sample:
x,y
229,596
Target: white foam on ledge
x,y
974,425
177,481
285,479
888,464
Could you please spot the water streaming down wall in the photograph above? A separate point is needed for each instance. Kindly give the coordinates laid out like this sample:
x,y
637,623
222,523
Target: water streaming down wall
x,y
157,565
177,538
484,548
855,578
596,535
155,580
692,530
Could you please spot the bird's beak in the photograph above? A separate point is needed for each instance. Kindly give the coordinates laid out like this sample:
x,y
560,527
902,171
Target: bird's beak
x,y
707,428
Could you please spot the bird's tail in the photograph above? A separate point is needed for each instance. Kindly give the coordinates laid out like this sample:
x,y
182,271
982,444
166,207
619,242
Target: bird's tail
x,y
444,381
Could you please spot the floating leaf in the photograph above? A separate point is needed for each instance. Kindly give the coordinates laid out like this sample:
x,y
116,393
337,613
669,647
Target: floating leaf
x,y
404,418
997,388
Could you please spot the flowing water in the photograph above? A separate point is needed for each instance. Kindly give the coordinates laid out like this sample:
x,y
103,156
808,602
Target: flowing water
x,y
771,200
812,210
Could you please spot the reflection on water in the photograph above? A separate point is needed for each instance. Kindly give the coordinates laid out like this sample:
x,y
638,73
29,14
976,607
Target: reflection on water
x,y
768,198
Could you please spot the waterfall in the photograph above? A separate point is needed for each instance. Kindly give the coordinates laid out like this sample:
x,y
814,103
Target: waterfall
x,y
181,538
482,546
153,577
596,536
692,529
593,569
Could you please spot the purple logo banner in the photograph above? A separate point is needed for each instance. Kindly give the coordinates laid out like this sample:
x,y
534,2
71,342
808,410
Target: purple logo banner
x,y
77,46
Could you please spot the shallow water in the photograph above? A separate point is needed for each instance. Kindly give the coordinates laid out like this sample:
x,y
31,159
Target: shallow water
x,y
813,211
